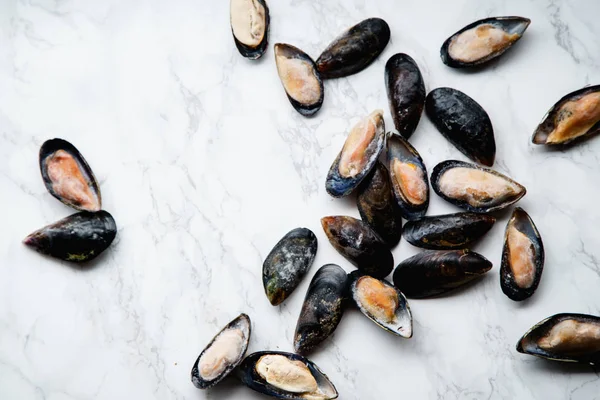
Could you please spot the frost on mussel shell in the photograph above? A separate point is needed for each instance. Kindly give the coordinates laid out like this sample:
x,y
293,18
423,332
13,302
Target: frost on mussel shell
x,y
223,354
250,26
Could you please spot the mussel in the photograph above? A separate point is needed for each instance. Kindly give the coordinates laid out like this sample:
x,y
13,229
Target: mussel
x,y
287,263
409,177
463,122
522,257
405,91
382,303
286,376
358,156
223,354
435,272
575,116
474,188
353,239
323,308
564,337
482,41
300,78
68,177
378,207
79,237
449,231
250,27
355,49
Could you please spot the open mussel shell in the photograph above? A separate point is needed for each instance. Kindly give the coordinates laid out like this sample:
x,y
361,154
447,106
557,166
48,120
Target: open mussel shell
x,y
223,354
250,27
286,376
522,257
482,41
449,231
355,49
378,207
357,158
575,117
406,92
474,188
431,272
68,177
300,78
463,122
356,241
409,177
77,238
382,303
287,263
564,337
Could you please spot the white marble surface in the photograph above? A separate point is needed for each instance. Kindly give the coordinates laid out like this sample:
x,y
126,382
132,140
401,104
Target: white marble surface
x,y
205,165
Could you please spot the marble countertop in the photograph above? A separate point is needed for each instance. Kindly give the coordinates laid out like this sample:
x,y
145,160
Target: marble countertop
x,y
205,165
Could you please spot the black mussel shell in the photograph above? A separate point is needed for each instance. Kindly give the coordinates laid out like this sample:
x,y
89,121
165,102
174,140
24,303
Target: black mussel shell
x,y
523,252
293,66
497,34
463,122
353,239
358,157
408,176
460,183
250,27
237,333
431,272
287,263
322,309
406,92
378,207
79,237
449,231
254,373
564,337
354,49
68,177
574,117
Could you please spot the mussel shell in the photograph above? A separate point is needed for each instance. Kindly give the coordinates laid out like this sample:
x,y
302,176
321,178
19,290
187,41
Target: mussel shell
x,y
79,237
53,148
356,241
377,205
306,107
530,342
287,263
402,326
431,272
355,49
511,25
449,231
253,52
548,124
406,92
323,308
401,152
463,122
521,221
241,323
250,377
340,186
491,204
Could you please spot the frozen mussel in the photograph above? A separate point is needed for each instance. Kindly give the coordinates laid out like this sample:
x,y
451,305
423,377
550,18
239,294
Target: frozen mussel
x,y
564,337
357,158
223,354
482,41
522,257
287,263
286,376
250,26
